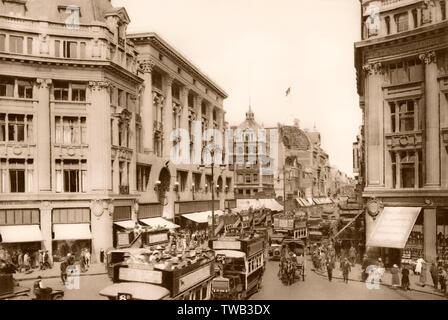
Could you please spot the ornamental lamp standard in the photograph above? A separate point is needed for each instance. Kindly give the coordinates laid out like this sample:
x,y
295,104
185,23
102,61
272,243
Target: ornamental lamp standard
x,y
212,166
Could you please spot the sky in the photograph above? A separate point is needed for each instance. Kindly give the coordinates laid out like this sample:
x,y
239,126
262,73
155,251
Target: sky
x,y
256,49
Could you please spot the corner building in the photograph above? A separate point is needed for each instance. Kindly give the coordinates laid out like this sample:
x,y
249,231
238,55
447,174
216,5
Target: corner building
x,y
77,133
402,76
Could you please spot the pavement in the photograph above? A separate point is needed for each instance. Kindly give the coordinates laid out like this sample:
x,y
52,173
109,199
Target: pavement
x,y
415,285
94,269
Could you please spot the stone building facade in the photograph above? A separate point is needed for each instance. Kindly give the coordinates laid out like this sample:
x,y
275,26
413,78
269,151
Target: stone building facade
x,y
81,147
402,71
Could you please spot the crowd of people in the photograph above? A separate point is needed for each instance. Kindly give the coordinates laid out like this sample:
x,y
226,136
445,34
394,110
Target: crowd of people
x,y
26,260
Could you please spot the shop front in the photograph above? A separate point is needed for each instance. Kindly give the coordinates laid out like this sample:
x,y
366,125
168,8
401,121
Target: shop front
x,y
123,226
71,232
20,233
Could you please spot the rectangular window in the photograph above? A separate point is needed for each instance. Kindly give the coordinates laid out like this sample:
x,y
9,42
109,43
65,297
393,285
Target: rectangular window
x,y
78,92
403,116
197,180
71,176
16,127
25,89
70,49
182,180
123,134
2,42
70,130
121,98
57,48
18,175
6,87
248,179
83,50
15,44
143,173
29,45
138,138
157,80
402,22
61,90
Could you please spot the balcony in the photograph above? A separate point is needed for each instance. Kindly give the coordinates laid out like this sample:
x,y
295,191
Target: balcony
x,y
404,141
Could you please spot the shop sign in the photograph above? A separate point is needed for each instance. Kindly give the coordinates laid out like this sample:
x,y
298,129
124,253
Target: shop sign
x,y
157,238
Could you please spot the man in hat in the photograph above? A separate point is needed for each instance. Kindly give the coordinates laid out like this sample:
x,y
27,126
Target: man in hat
x,y
346,268
40,291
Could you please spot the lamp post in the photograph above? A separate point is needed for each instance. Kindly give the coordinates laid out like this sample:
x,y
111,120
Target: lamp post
x,y
212,187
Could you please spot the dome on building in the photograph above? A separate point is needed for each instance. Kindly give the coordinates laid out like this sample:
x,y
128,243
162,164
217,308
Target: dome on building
x,y
249,122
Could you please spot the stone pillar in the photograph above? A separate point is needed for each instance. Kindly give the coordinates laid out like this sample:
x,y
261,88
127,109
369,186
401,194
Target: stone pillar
x,y
101,226
43,132
98,125
184,104
429,234
167,117
375,123
46,227
147,107
432,130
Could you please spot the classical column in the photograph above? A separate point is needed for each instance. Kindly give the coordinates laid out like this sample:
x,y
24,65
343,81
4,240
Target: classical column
x,y
184,104
98,126
46,227
147,106
429,234
375,124
432,130
167,116
43,133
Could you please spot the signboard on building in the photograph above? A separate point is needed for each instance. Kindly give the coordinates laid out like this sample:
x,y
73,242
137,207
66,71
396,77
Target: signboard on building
x,y
154,238
226,245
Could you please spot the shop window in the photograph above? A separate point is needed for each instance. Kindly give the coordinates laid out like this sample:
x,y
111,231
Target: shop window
x,y
70,130
71,176
122,213
15,44
442,235
415,244
182,180
143,173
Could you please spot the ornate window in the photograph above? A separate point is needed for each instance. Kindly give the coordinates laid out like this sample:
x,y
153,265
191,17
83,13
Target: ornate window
x,y
406,169
71,175
403,116
70,130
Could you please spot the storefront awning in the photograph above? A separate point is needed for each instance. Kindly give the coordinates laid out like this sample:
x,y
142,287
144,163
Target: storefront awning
x,y
159,222
202,217
126,224
393,227
20,233
303,202
78,231
258,204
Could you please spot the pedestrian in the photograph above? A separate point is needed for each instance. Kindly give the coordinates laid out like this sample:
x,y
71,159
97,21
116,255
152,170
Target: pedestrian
x,y
87,257
352,255
64,266
26,261
395,277
330,267
20,260
418,267
405,284
434,274
380,269
423,273
346,268
442,279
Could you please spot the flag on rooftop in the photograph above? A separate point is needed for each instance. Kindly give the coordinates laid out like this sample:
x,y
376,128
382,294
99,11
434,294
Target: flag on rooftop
x,y
288,91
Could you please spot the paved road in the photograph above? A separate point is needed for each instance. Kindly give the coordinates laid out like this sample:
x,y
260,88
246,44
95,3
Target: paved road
x,y
89,287
317,287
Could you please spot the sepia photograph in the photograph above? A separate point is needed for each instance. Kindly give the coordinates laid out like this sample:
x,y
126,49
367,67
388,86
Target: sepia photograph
x,y
248,151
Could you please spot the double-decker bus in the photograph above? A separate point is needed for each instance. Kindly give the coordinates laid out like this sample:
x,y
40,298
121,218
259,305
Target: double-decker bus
x,y
242,266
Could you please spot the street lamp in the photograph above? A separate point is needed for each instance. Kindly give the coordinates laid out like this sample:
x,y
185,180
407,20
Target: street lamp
x,y
284,187
212,166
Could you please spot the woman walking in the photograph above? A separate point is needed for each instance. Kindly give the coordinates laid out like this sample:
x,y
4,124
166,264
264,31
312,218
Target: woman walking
x,y
434,275
423,274
405,285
